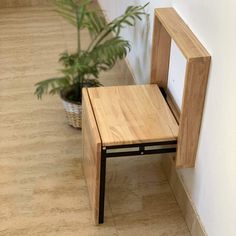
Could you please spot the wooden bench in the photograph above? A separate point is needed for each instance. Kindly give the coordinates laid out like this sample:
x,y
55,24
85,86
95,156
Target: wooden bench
x,y
143,119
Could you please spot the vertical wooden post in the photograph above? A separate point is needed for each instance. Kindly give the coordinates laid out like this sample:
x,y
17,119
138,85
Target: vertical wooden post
x,y
160,55
192,108
91,160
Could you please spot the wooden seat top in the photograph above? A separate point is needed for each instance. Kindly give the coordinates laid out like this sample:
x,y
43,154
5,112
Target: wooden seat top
x,y
132,114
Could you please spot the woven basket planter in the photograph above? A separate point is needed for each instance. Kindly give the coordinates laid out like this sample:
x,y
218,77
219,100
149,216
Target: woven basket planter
x,y
73,111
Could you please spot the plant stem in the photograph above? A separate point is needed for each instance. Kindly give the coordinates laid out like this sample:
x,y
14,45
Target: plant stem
x,y
78,88
116,23
78,32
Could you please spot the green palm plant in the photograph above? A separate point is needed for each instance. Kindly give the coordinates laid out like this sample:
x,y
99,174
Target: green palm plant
x,y
82,68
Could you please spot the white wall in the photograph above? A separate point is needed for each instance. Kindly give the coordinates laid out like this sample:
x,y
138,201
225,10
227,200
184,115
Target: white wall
x,y
212,183
141,37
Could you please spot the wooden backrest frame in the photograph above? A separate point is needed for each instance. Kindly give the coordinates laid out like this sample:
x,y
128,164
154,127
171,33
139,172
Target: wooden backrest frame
x,y
168,26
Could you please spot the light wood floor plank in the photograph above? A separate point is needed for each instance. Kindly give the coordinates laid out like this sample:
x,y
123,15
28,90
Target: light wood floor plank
x,y
42,187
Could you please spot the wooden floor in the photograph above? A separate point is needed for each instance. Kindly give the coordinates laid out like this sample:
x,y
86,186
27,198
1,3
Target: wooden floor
x,y
42,188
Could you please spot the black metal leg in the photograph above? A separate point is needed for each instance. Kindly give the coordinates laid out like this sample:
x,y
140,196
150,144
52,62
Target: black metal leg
x,y
142,149
102,185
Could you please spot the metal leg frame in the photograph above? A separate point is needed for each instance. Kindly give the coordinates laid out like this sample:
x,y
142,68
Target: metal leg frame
x,y
137,149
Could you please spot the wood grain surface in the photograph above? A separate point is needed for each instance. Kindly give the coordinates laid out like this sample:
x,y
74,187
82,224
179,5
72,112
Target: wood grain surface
x,y
181,34
132,114
161,44
91,159
191,112
169,26
23,3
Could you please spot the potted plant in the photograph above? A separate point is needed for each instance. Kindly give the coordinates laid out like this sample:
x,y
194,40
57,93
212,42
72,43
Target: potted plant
x,y
82,68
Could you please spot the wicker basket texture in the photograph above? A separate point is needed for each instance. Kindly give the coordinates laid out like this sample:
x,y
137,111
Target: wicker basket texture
x,y
73,112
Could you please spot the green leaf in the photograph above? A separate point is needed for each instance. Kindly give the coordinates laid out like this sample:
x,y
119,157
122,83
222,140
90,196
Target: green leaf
x,y
83,67
51,86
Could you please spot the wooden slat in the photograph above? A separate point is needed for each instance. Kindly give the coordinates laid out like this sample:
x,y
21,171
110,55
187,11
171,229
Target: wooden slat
x,y
91,160
191,115
132,114
173,105
181,34
160,55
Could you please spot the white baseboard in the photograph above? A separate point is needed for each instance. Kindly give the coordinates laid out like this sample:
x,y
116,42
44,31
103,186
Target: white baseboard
x,y
183,198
